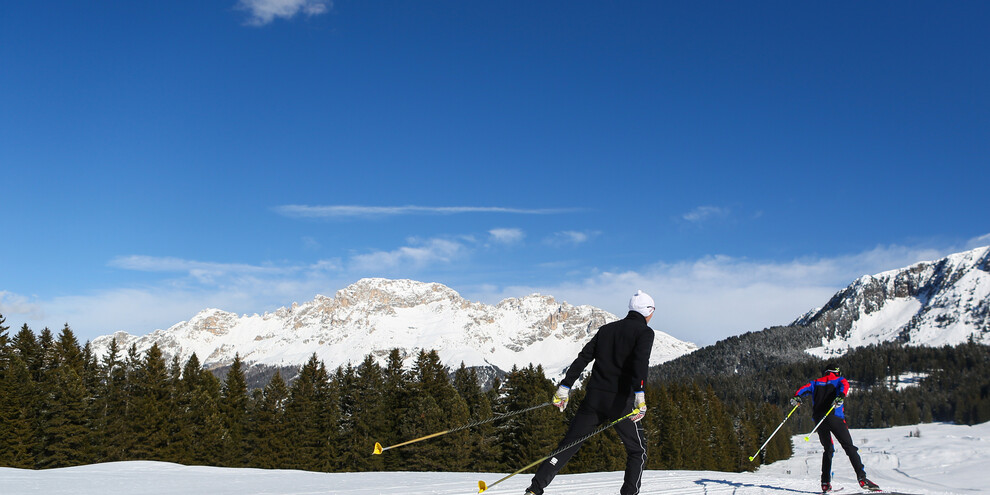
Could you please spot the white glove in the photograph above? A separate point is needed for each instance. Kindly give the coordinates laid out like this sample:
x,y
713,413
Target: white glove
x,y
560,398
639,399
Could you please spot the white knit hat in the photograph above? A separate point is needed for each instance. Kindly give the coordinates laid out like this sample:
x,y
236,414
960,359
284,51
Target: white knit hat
x,y
641,303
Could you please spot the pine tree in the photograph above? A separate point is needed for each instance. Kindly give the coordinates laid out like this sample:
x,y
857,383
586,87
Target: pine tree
x,y
270,446
780,446
306,415
151,413
748,433
234,408
482,439
197,433
361,411
65,421
26,345
62,420
722,441
431,409
15,391
18,441
395,400
109,409
535,434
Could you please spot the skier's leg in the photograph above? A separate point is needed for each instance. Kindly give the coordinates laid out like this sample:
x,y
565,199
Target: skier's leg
x,y
825,436
584,422
634,439
841,432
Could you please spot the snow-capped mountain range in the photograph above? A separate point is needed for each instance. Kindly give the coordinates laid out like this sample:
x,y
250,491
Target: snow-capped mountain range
x,y
933,303
374,316
941,302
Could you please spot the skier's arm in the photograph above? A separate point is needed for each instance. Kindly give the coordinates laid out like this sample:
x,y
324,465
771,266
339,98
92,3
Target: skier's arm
x,y
808,387
843,388
584,357
641,360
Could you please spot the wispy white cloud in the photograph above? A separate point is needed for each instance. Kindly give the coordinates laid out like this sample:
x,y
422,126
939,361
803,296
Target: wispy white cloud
x,y
171,264
714,297
187,288
358,211
570,237
264,12
417,256
219,274
701,300
16,304
310,244
507,236
983,240
703,213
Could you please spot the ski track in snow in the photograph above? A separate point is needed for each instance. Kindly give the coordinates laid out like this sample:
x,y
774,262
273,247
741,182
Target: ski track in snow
x,y
944,459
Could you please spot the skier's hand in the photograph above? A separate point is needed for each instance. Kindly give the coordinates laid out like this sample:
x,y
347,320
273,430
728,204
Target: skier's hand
x,y
639,399
838,401
560,398
796,400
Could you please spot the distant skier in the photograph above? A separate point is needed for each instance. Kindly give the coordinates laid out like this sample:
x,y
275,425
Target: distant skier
x,y
621,352
827,391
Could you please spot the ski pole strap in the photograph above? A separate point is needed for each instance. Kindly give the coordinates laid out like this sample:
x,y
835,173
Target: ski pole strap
x,y
819,423
379,449
774,432
482,486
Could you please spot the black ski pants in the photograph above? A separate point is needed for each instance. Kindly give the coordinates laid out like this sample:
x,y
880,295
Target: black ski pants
x,y
596,409
836,426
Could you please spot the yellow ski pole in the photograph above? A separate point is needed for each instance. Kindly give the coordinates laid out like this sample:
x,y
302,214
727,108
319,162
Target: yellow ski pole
x,y
774,432
820,422
379,449
482,486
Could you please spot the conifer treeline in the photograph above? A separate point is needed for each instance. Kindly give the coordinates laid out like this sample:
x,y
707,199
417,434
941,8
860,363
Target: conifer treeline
x,y
61,406
954,383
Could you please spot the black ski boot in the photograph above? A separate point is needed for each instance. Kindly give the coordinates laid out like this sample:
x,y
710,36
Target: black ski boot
x,y
868,485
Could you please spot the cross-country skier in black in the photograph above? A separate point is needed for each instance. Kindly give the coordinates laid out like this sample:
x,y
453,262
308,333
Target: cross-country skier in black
x,y
827,391
621,352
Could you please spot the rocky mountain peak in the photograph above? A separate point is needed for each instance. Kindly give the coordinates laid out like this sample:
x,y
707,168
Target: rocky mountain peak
x,y
945,301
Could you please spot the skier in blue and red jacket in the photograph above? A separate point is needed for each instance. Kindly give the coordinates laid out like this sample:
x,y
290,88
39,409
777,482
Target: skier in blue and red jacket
x,y
827,397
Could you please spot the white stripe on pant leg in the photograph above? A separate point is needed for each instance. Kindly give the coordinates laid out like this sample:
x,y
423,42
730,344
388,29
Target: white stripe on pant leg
x,y
639,482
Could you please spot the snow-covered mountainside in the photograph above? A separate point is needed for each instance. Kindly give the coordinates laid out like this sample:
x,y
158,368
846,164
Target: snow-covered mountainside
x,y
374,316
933,303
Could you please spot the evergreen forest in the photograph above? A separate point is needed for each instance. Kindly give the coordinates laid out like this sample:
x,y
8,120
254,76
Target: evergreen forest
x,y
60,405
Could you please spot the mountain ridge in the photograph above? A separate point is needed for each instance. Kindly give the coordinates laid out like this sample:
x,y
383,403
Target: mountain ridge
x,y
939,302
929,303
375,315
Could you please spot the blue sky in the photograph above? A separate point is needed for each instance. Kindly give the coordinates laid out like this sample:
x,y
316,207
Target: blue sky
x,y
741,161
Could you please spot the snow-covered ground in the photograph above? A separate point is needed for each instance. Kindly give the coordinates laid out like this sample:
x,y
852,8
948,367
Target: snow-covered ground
x,y
943,459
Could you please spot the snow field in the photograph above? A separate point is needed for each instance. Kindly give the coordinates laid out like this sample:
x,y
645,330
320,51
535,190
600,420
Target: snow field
x,y
943,459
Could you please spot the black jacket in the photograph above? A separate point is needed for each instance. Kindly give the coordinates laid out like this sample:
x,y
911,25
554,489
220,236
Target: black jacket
x,y
621,352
